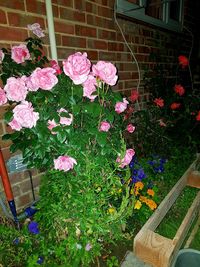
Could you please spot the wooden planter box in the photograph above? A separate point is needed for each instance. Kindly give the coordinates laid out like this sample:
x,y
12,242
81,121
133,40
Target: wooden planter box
x,y
158,250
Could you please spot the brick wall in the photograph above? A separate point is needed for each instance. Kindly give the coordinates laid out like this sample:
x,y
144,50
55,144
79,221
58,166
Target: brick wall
x,y
90,26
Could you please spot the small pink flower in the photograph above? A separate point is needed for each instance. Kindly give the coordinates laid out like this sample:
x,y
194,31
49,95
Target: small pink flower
x,y
65,120
106,72
183,61
198,116
162,123
179,89
1,56
3,98
77,67
159,102
89,87
130,128
88,247
121,106
15,125
24,115
134,96
104,126
64,163
16,89
36,29
55,66
127,158
42,78
52,124
20,53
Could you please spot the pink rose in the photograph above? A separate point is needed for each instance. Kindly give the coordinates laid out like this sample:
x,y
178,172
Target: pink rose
x,y
127,158
106,72
1,56
64,163
3,98
65,120
121,106
104,126
15,125
16,89
77,67
24,115
179,89
55,66
130,128
89,87
36,29
20,53
42,78
51,125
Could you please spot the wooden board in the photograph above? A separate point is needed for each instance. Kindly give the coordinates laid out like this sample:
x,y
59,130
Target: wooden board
x,y
158,250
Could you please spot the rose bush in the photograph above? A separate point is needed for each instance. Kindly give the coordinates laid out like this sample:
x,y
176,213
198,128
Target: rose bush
x,y
67,121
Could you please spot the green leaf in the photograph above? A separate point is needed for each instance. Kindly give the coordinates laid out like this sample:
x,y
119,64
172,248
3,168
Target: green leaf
x,y
8,116
101,138
61,137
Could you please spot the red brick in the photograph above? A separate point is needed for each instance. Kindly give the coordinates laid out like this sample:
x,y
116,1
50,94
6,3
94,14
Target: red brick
x,y
125,75
6,153
124,57
85,31
34,6
3,19
21,20
14,4
69,14
71,41
64,27
5,143
63,53
96,44
12,34
99,22
144,49
80,5
115,46
24,200
1,129
68,3
105,12
16,177
91,8
105,34
93,55
107,56
16,191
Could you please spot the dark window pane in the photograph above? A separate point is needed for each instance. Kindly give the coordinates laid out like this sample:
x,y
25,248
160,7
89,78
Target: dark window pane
x,y
136,2
154,9
174,10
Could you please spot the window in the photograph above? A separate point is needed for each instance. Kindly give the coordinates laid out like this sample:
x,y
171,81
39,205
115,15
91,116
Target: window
x,y
163,13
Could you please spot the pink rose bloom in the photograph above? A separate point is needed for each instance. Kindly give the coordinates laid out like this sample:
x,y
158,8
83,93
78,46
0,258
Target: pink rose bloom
x,y
15,125
127,158
16,89
1,56
121,106
55,66
43,78
77,67
134,95
89,87
106,72
51,125
64,163
36,29
104,126
3,98
162,123
130,128
24,115
20,53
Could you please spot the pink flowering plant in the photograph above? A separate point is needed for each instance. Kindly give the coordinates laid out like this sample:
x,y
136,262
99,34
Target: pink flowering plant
x,y
68,122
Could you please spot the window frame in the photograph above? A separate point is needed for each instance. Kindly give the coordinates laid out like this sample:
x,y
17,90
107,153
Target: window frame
x,y
123,7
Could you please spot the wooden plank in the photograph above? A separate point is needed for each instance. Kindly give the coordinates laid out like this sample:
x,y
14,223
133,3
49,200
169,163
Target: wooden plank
x,y
194,179
193,233
154,249
187,222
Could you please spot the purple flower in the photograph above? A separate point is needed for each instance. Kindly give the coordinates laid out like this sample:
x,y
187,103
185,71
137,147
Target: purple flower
x,y
40,260
88,247
33,228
